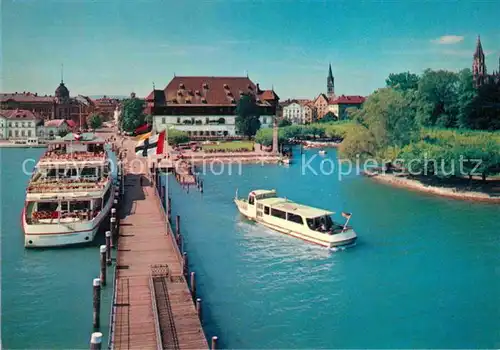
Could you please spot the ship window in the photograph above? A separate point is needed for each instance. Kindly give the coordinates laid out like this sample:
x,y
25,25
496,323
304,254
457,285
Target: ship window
x,y
47,206
295,218
259,206
266,210
278,213
251,200
88,172
82,205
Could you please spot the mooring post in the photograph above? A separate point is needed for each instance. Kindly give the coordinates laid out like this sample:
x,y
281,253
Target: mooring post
x,y
169,207
198,307
115,203
193,285
113,212
113,231
102,277
180,243
96,319
214,342
178,225
185,264
95,341
201,186
108,247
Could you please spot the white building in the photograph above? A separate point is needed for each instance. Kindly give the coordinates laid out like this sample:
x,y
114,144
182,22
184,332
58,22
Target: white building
x,y
18,124
295,112
53,128
206,106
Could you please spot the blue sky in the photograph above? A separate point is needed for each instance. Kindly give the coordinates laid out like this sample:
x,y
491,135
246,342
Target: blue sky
x,y
118,46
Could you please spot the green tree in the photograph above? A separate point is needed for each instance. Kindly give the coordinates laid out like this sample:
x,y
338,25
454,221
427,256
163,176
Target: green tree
x,y
247,119
389,115
466,93
133,114
402,81
328,118
284,122
360,142
176,137
62,133
438,98
483,110
95,121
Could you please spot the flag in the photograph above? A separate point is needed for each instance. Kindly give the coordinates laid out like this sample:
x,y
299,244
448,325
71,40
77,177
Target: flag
x,y
151,145
78,136
346,215
143,136
143,129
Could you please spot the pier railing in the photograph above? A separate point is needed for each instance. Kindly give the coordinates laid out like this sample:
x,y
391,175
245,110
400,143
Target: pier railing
x,y
111,333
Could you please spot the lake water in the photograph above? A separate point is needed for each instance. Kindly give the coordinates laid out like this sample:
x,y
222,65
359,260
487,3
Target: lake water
x,y
425,272
46,293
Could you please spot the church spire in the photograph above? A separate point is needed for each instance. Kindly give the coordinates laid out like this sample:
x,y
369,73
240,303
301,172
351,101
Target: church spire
x,y
478,64
330,83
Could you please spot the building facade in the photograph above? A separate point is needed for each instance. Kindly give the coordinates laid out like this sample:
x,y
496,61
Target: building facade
x,y
206,106
294,112
53,128
18,124
320,106
479,72
340,105
106,107
59,106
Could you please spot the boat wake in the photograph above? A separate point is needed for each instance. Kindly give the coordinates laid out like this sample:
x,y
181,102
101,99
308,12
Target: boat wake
x,y
262,240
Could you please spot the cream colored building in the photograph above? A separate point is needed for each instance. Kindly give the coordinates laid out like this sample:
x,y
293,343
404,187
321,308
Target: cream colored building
x,y
295,113
18,124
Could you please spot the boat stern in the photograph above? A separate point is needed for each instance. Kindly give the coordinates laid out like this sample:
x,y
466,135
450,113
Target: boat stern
x,y
344,238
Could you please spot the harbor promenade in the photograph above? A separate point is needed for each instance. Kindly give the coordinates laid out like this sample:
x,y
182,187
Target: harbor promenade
x,y
153,307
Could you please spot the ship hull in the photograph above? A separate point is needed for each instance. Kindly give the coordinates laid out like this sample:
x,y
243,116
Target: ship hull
x,y
58,235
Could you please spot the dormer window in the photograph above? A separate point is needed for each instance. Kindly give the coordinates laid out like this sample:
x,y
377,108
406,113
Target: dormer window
x,y
229,93
181,86
233,100
179,93
174,100
197,93
188,101
250,87
226,87
203,100
205,86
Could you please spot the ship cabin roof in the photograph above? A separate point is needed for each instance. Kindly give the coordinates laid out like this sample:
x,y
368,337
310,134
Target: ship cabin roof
x,y
294,208
86,137
259,193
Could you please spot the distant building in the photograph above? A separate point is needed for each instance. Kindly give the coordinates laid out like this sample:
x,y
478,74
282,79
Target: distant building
x,y
106,107
59,106
206,106
18,124
320,106
53,128
479,72
330,84
294,112
339,105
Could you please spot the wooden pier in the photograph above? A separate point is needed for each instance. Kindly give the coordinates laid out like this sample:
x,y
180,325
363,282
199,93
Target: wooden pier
x,y
153,305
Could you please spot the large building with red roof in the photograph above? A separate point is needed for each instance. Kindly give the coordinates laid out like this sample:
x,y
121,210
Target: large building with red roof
x,y
60,105
18,124
206,106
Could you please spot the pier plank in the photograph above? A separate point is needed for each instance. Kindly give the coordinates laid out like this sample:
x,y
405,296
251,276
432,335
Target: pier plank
x,y
143,242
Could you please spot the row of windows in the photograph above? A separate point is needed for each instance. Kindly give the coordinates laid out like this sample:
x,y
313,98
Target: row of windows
x,y
17,124
23,133
283,215
207,121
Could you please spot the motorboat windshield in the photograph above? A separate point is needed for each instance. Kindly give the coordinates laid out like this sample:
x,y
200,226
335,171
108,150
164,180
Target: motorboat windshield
x,y
323,224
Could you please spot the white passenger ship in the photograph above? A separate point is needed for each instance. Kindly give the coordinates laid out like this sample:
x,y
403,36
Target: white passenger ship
x,y
69,194
301,221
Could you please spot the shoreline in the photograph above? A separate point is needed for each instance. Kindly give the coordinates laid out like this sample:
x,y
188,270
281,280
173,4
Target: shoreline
x,y
449,192
20,145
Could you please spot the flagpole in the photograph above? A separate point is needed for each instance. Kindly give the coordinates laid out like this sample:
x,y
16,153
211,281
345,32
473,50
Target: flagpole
x,y
165,152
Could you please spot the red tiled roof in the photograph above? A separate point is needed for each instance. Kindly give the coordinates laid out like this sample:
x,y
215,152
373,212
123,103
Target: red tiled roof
x,y
268,95
18,114
54,123
25,97
346,100
70,123
207,90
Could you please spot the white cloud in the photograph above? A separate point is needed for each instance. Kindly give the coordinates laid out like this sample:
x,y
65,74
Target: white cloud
x,y
448,40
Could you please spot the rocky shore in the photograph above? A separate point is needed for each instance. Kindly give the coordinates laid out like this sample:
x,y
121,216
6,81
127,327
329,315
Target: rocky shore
x,y
487,193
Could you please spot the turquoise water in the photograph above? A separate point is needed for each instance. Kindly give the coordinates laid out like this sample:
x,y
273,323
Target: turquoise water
x,y
46,293
424,274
